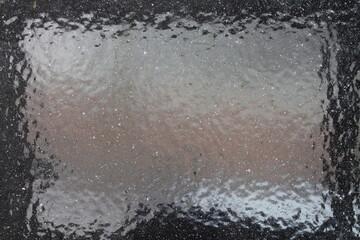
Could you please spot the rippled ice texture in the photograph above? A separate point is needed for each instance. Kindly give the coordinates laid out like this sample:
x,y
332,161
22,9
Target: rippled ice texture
x,y
162,116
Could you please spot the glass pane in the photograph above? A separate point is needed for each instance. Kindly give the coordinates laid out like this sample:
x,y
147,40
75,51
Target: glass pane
x,y
181,121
